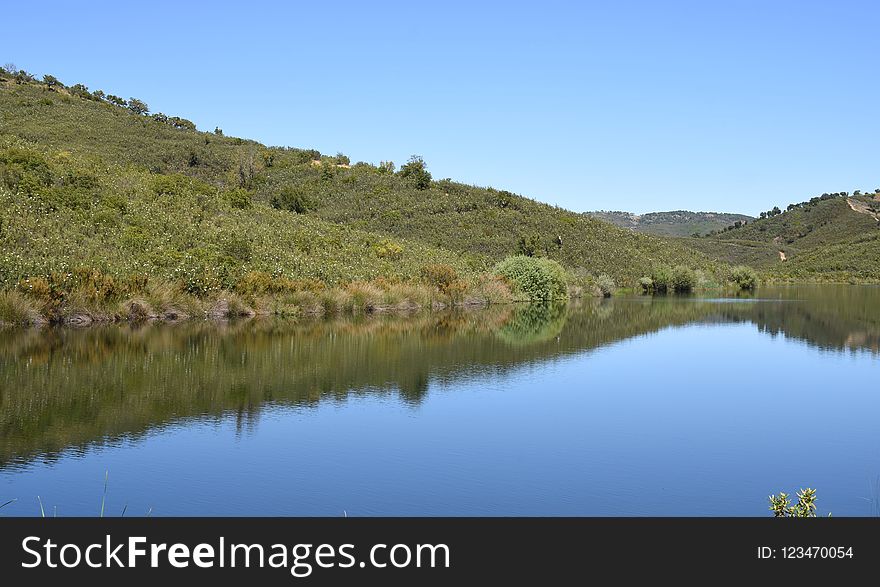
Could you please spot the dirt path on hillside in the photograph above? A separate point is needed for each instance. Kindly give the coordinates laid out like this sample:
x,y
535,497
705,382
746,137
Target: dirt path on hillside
x,y
862,208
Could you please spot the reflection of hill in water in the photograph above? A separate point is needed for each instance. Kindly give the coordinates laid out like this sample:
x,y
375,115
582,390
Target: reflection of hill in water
x,y
62,388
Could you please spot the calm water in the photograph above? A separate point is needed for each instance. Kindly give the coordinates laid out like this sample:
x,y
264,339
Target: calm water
x,y
678,406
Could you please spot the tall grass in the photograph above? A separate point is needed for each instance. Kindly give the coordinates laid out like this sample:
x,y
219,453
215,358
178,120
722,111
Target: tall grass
x,y
15,308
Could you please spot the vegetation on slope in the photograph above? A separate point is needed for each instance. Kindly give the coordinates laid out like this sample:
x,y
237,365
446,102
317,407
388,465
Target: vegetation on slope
x,y
673,223
831,237
105,205
346,222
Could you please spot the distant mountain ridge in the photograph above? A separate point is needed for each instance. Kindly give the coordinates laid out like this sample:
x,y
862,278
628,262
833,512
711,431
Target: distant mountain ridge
x,y
671,223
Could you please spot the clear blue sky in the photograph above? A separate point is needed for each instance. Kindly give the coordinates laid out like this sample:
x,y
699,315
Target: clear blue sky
x,y
733,106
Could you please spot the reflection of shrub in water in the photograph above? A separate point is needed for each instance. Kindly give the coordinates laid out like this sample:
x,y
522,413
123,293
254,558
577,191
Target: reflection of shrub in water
x,y
534,323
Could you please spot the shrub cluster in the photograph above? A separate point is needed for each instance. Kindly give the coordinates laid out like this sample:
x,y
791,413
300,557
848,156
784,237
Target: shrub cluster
x,y
744,277
534,277
665,279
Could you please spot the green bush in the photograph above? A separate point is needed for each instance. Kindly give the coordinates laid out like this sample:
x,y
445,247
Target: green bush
x,y
239,198
684,279
26,170
535,278
744,277
661,278
291,199
647,285
606,285
237,248
387,249
529,245
416,171
177,185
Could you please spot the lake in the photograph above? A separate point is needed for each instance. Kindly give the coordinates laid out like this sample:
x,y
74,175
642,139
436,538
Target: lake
x,y
631,406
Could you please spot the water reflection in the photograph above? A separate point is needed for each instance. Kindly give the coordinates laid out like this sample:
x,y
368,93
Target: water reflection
x,y
68,389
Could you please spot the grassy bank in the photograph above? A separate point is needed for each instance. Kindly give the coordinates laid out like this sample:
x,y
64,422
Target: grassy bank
x,y
86,296
80,302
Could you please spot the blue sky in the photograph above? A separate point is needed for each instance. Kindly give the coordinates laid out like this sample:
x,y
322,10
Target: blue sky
x,y
729,106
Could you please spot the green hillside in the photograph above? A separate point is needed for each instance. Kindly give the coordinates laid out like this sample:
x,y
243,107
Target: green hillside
x,y
103,203
673,223
829,237
93,180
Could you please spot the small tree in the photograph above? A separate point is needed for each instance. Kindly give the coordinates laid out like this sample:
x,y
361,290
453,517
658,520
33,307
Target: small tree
x,y
116,100
81,91
218,131
417,172
181,123
137,106
52,82
23,76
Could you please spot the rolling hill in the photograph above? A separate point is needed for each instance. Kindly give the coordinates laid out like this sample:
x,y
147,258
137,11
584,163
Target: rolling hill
x,y
829,237
122,189
674,223
99,197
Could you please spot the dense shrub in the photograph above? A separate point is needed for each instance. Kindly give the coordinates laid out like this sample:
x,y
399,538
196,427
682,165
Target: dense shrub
x,y
744,277
239,198
387,249
416,171
25,170
529,245
661,279
684,279
291,199
237,248
439,275
535,278
680,279
176,185
606,285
